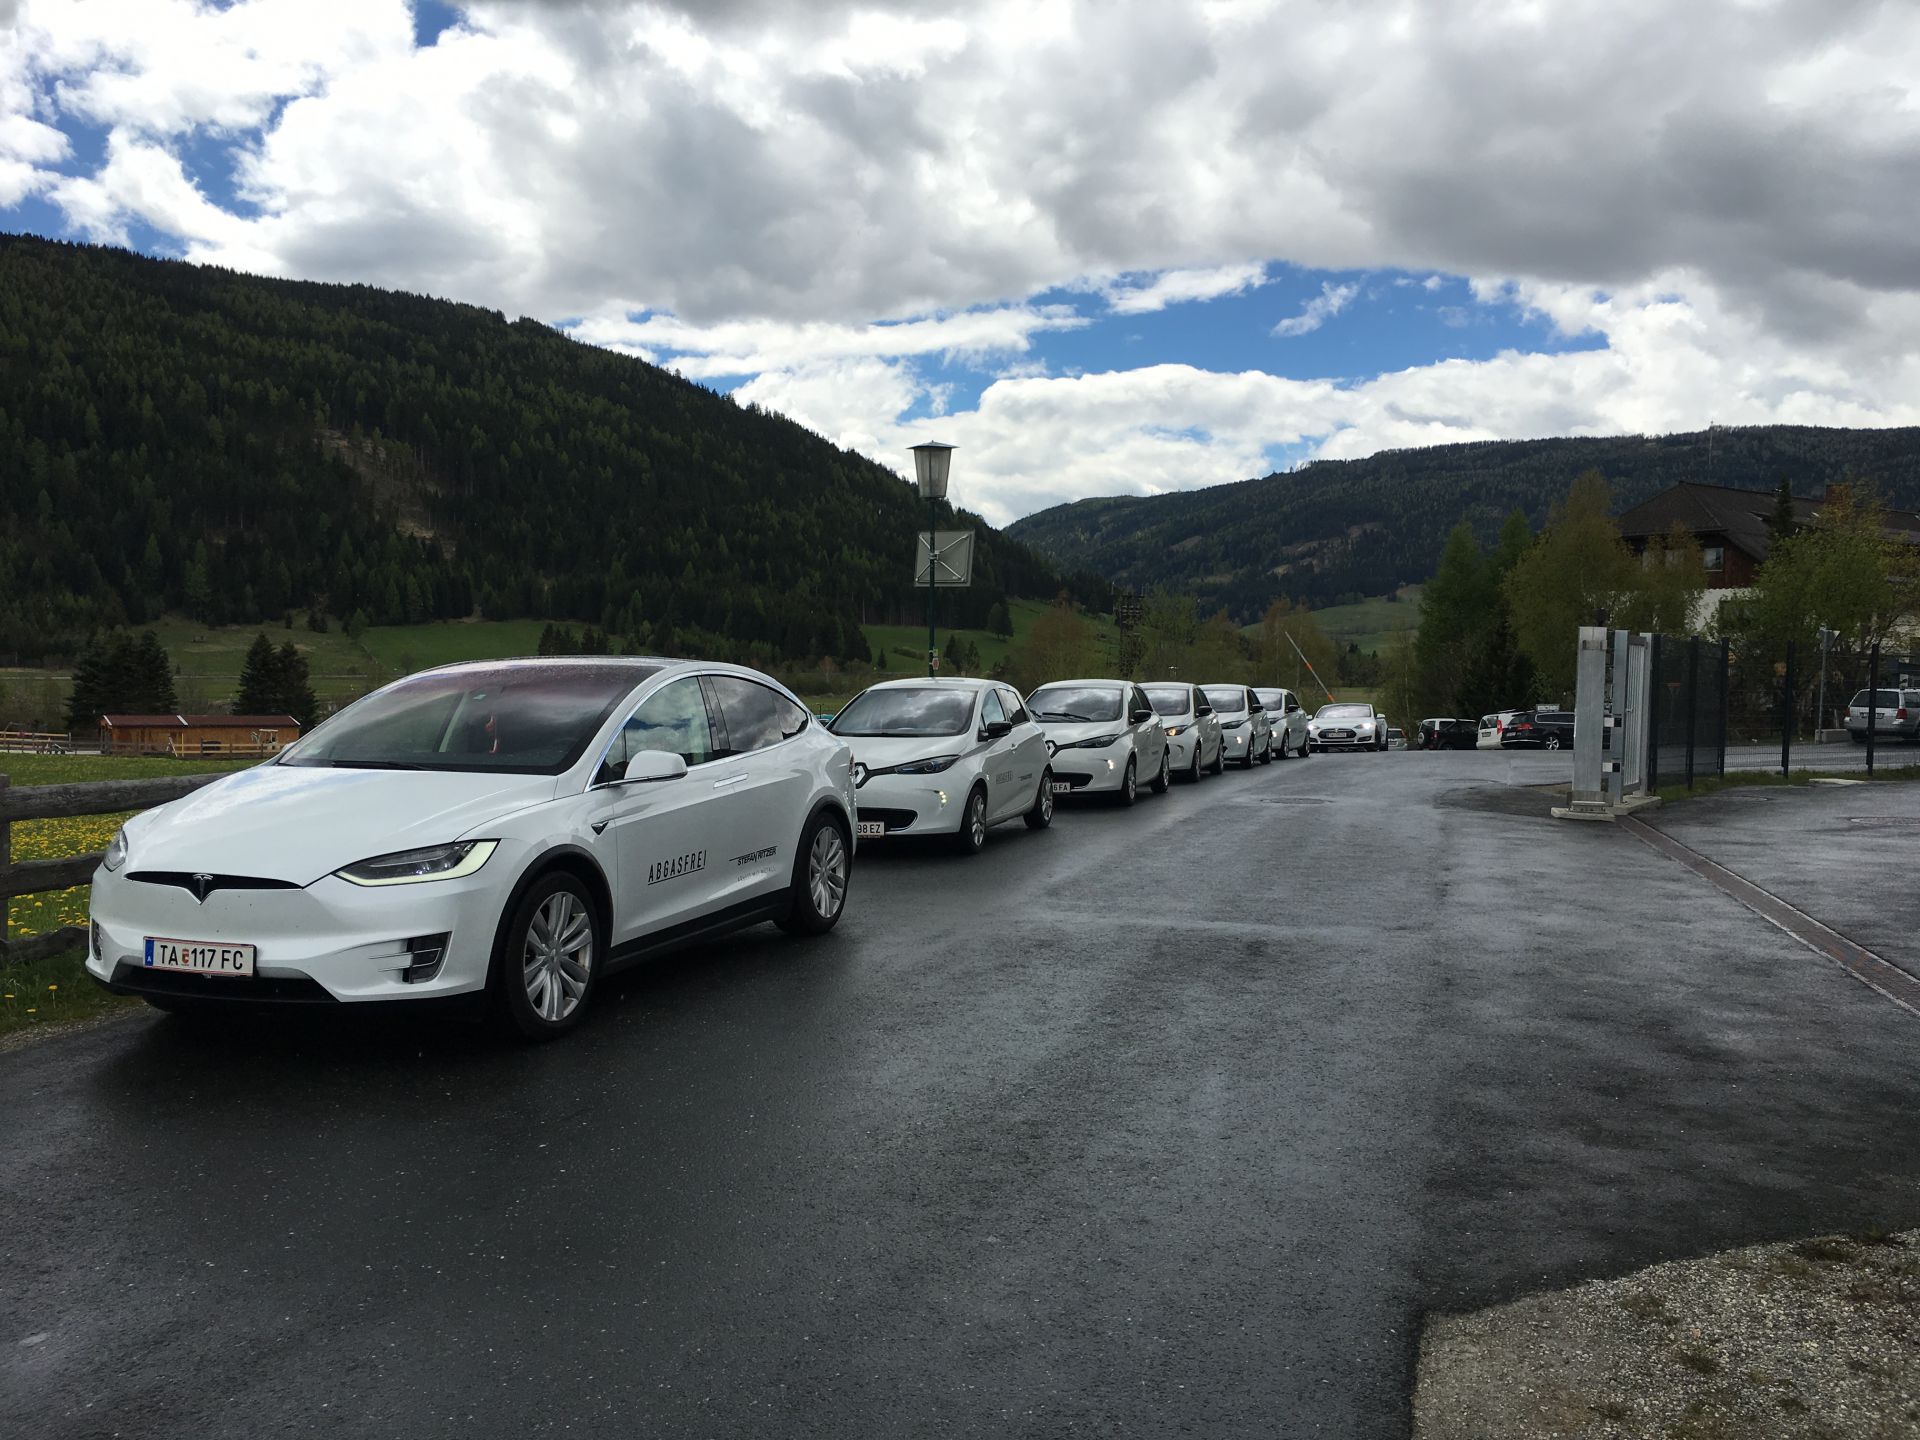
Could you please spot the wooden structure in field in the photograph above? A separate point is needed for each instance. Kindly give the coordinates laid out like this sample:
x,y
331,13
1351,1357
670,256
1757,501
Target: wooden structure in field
x,y
237,735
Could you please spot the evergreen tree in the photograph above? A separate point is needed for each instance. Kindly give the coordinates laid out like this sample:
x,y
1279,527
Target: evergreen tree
x,y
296,692
1781,524
260,682
999,619
94,684
150,677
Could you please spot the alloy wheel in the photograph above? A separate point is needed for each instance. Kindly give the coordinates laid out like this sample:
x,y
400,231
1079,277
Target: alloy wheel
x,y
827,872
558,960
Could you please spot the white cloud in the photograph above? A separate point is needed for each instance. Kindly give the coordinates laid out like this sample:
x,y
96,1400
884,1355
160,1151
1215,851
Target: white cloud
x,y
1725,195
1178,287
1331,300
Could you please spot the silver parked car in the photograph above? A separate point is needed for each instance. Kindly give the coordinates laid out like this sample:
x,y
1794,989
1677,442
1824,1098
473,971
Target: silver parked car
x,y
1244,728
1288,719
1193,730
1104,737
1896,715
1348,725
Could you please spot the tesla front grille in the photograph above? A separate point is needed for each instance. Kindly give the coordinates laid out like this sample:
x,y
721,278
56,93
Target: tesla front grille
x,y
203,884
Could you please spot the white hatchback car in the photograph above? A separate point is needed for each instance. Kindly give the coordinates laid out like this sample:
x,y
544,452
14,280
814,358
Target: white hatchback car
x,y
1193,730
945,757
1104,738
506,832
1244,728
1288,720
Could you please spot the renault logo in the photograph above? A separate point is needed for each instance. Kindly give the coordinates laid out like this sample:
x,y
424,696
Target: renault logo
x,y
201,885
859,775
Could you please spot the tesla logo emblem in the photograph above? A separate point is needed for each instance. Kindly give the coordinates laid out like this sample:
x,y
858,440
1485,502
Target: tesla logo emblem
x,y
201,885
859,776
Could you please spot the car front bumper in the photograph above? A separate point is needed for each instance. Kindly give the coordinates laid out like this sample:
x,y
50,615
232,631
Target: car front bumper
x,y
1346,740
912,804
328,941
1234,744
1090,772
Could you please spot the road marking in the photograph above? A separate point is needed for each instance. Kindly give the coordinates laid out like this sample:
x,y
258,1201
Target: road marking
x,y
1881,976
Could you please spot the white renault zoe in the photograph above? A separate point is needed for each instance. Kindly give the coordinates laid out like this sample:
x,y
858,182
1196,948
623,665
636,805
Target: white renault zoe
x,y
507,832
945,757
1193,730
1104,738
1244,728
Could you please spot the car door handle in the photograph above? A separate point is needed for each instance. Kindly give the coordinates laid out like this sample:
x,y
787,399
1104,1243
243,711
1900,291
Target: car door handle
x,y
730,780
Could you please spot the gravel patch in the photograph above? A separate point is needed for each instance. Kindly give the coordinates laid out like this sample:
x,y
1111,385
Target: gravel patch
x,y
1807,1340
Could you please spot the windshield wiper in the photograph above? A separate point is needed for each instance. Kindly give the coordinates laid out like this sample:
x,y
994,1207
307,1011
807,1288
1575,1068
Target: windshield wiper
x,y
1068,715
373,765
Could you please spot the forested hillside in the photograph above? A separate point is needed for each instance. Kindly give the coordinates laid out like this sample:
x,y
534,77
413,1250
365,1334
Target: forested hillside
x,y
181,438
1334,531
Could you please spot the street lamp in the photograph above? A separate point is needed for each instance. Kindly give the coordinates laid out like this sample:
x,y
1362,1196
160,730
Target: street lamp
x,y
931,464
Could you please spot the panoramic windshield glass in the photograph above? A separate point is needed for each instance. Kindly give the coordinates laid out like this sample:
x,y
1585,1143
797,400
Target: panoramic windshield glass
x,y
1167,699
1227,699
523,719
1075,703
1344,712
905,713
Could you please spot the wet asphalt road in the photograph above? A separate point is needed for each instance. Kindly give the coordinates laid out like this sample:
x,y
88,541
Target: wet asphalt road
x,y
1170,1121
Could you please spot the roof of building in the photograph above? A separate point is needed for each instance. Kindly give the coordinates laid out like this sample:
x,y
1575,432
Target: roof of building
x,y
1739,515
195,722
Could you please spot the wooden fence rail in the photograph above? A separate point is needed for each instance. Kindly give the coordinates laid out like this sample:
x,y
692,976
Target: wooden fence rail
x,y
61,802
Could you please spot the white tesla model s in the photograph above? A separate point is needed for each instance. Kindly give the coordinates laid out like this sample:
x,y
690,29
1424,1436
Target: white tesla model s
x,y
504,833
945,757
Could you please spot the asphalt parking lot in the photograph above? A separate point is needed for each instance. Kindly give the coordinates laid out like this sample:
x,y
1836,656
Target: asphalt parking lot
x,y
1171,1120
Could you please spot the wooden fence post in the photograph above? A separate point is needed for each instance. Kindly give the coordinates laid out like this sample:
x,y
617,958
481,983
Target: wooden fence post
x,y
6,863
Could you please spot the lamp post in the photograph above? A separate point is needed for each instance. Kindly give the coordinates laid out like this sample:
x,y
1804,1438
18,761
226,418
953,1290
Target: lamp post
x,y
931,463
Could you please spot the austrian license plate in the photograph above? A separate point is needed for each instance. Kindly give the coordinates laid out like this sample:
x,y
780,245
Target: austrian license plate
x,y
870,828
198,957
1061,787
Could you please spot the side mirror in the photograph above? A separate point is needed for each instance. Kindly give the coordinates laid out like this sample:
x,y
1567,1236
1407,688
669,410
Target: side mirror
x,y
996,729
654,765
1293,709
1140,717
1203,710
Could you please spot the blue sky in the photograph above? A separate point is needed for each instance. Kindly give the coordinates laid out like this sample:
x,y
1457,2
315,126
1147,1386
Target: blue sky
x,y
1110,247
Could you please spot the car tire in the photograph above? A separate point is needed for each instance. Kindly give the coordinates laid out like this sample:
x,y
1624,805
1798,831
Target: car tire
x,y
1129,790
1163,782
535,995
1194,770
971,838
822,870
1040,816
1219,766
1553,742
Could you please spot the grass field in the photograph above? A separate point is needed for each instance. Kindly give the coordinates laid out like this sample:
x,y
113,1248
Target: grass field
x,y
906,645
57,839
406,648
1368,623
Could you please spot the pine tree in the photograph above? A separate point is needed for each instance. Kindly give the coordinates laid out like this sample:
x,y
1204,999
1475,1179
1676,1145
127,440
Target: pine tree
x,y
1780,525
296,693
999,621
92,680
260,683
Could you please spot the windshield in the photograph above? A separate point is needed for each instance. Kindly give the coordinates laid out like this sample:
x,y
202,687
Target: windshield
x,y
1344,712
1274,700
1227,699
906,713
1168,699
521,719
1075,702
1888,699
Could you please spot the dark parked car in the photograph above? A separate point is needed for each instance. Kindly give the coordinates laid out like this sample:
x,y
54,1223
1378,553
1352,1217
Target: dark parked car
x,y
1440,734
1541,729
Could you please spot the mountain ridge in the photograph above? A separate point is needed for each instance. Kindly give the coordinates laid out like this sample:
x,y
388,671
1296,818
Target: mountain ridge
x,y
1333,531
184,438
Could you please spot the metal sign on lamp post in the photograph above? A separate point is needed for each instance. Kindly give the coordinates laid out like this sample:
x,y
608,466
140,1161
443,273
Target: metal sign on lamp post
x,y
931,464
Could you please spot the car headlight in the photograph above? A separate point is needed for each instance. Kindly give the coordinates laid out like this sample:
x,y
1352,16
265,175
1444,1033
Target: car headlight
x,y
116,855
411,867
932,766
1174,731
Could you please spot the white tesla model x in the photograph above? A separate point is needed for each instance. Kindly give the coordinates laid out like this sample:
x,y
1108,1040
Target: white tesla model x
x,y
945,757
504,833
